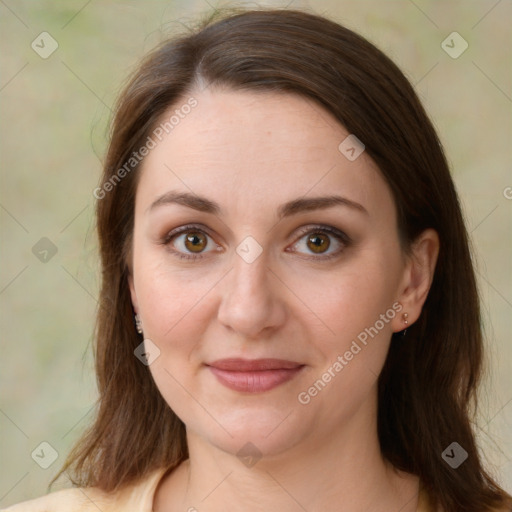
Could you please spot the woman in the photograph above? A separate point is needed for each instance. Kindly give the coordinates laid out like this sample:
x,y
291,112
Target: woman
x,y
288,316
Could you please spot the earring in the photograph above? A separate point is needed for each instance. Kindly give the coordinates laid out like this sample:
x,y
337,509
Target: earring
x,y
405,316
138,323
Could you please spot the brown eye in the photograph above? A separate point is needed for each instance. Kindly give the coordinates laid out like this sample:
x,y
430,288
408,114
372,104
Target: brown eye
x,y
318,242
189,242
321,242
195,241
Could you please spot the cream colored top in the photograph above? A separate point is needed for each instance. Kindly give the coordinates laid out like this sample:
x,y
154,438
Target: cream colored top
x,y
135,498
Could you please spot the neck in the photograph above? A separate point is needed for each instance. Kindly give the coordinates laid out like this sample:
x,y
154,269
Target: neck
x,y
343,471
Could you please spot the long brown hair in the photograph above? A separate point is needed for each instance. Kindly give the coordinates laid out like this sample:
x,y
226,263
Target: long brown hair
x,y
427,389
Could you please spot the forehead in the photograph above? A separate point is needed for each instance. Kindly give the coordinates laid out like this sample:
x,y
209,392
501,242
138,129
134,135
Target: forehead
x,y
252,148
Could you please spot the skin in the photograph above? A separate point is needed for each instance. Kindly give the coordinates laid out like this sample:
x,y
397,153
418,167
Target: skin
x,y
251,152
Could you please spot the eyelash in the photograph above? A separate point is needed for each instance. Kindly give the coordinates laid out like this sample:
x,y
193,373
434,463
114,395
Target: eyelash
x,y
342,237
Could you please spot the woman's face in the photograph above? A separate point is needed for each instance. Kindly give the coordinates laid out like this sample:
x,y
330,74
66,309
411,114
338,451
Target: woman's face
x,y
240,252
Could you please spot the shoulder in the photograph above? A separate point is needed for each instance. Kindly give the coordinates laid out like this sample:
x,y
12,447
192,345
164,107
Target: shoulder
x,y
425,503
79,500
137,497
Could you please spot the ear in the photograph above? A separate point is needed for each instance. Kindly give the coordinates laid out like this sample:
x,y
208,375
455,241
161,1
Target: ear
x,y
417,277
132,293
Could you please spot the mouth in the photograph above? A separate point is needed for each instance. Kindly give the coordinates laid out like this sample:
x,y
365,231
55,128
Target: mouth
x,y
254,375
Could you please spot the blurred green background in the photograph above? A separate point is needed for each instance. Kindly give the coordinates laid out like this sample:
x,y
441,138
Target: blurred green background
x,y
54,123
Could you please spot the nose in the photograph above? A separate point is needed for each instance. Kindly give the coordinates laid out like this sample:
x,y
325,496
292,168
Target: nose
x,y
252,302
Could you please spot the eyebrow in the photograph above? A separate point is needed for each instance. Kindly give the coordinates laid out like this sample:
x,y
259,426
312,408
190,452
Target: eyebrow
x,y
288,209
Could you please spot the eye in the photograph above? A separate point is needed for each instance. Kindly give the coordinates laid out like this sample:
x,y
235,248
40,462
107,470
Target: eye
x,y
319,239
191,241
188,242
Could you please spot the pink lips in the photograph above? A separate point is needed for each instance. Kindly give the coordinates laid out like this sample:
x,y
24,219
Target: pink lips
x,y
253,376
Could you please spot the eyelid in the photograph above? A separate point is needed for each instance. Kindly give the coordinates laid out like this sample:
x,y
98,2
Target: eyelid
x,y
313,228
184,229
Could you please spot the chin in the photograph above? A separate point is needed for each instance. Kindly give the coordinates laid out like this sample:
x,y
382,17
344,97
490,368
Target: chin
x,y
254,433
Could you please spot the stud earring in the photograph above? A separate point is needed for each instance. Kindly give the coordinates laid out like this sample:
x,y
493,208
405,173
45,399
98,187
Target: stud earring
x,y
138,323
405,316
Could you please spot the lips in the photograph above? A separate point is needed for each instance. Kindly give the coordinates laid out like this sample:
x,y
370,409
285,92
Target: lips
x,y
254,375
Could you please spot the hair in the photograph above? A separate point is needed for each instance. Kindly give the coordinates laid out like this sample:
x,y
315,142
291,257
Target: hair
x,y
427,388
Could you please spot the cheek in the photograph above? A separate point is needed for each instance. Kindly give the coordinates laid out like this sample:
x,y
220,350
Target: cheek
x,y
355,303
172,303
359,311
175,313
167,302
354,296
